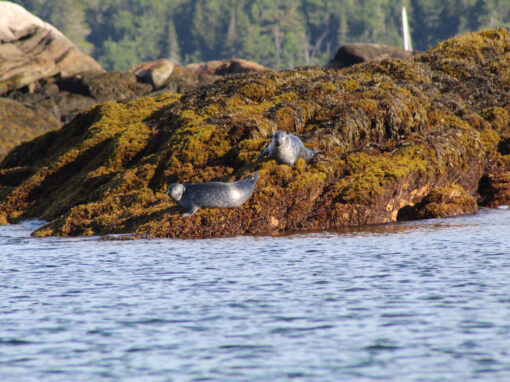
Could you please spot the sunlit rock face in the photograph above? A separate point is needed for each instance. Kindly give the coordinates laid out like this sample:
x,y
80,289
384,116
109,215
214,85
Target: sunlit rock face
x,y
31,49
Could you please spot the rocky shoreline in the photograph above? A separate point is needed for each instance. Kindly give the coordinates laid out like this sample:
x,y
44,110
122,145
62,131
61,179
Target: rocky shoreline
x,y
427,136
45,80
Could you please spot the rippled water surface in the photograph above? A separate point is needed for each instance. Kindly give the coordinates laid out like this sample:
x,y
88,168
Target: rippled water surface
x,y
425,301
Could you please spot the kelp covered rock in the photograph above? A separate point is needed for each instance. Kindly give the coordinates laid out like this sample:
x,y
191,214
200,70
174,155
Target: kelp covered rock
x,y
441,202
393,134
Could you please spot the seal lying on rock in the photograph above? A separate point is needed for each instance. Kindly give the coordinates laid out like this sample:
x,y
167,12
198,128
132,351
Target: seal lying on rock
x,y
287,149
212,194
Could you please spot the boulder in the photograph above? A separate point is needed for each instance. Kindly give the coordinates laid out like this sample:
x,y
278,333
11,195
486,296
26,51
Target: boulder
x,y
31,49
67,96
429,134
184,79
223,67
19,123
154,72
104,87
351,54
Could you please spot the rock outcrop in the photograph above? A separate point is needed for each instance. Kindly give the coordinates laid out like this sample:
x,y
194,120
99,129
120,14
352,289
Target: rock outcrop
x,y
427,135
19,123
46,73
183,80
67,96
230,66
33,54
351,54
439,203
31,49
155,72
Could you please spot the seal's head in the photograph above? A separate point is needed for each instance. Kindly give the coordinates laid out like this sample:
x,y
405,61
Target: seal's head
x,y
279,138
175,190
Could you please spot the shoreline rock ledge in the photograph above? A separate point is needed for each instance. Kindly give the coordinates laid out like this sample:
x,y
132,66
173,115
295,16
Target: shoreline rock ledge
x,y
411,138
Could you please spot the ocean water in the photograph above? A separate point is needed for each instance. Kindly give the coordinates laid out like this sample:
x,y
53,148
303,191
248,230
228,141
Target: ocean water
x,y
417,301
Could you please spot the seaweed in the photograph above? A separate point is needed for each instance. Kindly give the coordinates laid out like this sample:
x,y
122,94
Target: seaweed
x,y
400,139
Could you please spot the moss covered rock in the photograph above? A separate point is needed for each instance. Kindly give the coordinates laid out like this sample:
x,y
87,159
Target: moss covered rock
x,y
392,133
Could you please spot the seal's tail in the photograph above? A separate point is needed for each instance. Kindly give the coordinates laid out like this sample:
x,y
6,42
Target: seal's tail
x,y
253,178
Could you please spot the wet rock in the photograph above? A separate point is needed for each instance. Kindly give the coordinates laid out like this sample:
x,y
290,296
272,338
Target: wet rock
x,y
351,54
494,186
441,203
394,134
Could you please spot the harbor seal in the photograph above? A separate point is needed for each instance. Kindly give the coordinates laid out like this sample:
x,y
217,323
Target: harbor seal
x,y
191,196
287,149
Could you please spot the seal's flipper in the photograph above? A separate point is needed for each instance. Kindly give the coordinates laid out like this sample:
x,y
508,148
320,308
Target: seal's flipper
x,y
264,153
191,211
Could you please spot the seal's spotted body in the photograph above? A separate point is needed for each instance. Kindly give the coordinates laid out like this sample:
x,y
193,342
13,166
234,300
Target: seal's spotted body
x,y
287,149
212,194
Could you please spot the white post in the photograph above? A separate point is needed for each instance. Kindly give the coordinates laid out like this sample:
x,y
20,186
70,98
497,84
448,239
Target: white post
x,y
405,31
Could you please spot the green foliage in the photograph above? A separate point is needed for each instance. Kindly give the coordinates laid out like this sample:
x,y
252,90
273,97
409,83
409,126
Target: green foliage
x,y
279,34
68,16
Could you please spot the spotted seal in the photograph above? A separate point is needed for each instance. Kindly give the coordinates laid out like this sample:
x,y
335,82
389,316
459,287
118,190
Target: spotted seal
x,y
191,196
287,149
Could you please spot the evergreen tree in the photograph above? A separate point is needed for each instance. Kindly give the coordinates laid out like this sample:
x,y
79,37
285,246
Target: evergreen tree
x,y
67,16
230,47
275,33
